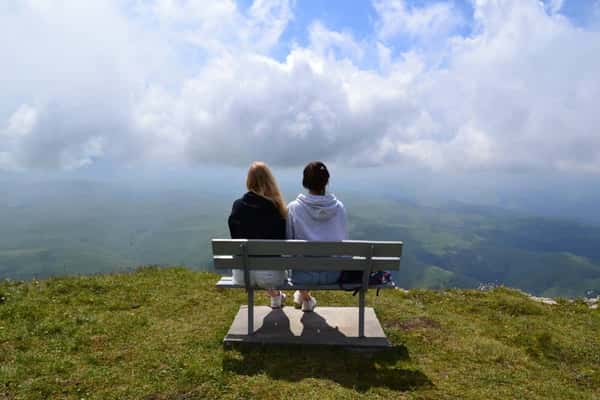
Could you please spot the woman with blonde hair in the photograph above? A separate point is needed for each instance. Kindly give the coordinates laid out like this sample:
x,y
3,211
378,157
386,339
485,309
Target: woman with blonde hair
x,y
261,214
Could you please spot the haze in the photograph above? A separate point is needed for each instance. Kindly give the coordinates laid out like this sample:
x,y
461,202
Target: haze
x,y
440,104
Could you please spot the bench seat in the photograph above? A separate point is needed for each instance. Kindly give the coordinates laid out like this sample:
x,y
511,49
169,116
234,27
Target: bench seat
x,y
226,282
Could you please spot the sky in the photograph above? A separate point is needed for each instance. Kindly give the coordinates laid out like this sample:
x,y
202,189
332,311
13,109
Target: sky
x,y
459,87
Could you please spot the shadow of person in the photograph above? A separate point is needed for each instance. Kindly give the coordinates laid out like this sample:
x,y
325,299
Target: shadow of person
x,y
390,368
275,324
317,329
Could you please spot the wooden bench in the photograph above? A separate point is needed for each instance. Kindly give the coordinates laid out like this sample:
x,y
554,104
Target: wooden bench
x,y
301,255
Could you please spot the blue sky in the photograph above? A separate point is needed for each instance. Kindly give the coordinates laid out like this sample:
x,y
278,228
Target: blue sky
x,y
359,18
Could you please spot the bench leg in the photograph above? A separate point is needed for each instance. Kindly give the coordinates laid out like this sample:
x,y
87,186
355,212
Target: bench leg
x,y
361,313
250,311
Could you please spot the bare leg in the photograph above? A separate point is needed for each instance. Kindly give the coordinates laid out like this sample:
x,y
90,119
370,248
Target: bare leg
x,y
305,294
305,301
277,298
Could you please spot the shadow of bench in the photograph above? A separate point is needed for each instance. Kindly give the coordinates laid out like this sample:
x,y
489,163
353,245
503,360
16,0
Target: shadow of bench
x,y
356,370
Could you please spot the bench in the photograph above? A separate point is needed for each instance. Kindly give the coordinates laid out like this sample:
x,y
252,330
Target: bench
x,y
301,255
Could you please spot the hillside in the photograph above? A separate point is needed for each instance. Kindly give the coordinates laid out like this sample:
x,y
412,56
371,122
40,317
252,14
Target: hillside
x,y
156,334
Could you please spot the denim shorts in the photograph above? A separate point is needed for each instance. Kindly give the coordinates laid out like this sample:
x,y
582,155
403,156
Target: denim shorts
x,y
315,277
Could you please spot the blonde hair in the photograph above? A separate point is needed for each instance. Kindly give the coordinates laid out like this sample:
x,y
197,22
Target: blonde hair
x,y
261,181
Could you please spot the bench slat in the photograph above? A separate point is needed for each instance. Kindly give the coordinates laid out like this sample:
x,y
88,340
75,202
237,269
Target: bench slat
x,y
303,247
306,263
226,282
283,263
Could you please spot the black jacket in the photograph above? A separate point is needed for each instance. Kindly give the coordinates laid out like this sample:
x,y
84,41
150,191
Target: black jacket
x,y
255,217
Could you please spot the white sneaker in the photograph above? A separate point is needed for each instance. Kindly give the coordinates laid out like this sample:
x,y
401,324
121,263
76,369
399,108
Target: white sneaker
x,y
277,301
297,299
309,305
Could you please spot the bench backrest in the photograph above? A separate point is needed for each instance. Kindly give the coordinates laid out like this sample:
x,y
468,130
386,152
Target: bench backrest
x,y
306,255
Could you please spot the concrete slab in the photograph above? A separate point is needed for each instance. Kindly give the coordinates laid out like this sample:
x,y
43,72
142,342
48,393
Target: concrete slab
x,y
331,326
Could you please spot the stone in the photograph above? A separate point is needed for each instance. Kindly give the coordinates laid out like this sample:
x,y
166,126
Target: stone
x,y
331,326
544,300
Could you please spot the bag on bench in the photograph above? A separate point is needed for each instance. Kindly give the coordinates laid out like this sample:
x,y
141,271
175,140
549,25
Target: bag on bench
x,y
353,278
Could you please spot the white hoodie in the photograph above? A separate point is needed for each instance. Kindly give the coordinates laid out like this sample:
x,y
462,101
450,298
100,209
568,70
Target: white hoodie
x,y
312,217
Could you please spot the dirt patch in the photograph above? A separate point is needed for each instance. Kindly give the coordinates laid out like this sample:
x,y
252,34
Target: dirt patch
x,y
412,324
175,396
98,342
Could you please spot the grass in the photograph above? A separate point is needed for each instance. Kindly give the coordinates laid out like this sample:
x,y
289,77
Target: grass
x,y
156,334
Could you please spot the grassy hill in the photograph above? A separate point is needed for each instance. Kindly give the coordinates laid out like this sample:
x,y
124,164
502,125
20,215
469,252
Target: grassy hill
x,y
156,334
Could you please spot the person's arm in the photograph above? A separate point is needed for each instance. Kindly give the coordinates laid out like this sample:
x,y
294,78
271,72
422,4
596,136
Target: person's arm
x,y
344,223
289,225
234,223
281,225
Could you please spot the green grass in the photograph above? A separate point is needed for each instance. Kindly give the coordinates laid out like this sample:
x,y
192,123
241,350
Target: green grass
x,y
156,334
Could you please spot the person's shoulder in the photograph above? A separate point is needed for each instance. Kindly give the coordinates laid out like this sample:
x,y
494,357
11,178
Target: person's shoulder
x,y
293,204
340,206
237,204
338,201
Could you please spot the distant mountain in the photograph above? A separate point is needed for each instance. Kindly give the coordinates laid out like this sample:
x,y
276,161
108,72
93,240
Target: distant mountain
x,y
82,227
466,246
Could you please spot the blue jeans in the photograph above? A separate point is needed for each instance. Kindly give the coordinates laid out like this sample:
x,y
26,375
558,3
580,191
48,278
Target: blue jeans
x,y
315,277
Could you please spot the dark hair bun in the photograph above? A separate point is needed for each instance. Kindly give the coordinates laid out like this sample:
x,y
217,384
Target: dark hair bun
x,y
316,177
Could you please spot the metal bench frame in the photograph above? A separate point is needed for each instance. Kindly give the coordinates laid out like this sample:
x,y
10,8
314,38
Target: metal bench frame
x,y
301,255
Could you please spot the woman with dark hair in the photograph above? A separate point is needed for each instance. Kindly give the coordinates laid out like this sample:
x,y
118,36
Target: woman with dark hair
x,y
260,214
315,216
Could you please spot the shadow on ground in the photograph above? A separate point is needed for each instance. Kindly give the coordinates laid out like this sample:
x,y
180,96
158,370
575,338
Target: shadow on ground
x,y
356,369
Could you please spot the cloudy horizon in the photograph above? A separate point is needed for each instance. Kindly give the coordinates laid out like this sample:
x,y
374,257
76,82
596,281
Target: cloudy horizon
x,y
461,86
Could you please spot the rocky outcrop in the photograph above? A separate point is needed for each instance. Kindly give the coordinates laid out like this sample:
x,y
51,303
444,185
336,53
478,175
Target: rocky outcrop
x,y
544,300
592,303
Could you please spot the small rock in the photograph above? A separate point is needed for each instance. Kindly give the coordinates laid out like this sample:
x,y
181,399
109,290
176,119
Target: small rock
x,y
592,302
486,287
544,300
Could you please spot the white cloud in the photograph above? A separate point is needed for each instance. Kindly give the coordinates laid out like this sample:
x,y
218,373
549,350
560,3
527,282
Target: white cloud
x,y
554,6
22,122
220,26
175,79
430,21
267,21
330,43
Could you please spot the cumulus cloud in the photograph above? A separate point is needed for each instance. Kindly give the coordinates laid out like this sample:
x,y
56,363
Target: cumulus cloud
x,y
554,6
220,26
22,122
186,79
334,44
396,18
